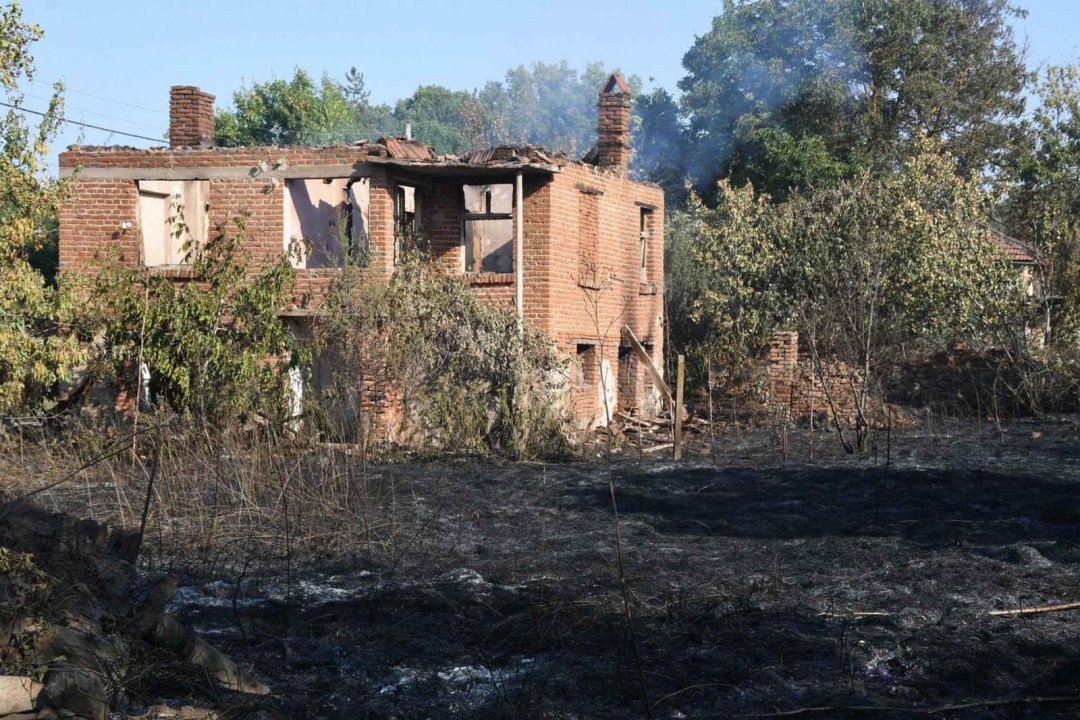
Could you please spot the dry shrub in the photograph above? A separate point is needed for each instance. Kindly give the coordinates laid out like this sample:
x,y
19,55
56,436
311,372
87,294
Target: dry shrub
x,y
463,376
235,501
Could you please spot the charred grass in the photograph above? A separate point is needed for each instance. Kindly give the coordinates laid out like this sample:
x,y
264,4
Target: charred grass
x,y
477,588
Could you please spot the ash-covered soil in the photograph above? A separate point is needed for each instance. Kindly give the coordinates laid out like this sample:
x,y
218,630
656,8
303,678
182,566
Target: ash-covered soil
x,y
756,586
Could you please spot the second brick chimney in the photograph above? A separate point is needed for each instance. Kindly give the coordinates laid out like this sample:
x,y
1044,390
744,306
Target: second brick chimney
x,y
191,117
613,132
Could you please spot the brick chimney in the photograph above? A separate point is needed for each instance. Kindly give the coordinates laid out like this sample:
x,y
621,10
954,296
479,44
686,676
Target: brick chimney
x,y
613,132
191,117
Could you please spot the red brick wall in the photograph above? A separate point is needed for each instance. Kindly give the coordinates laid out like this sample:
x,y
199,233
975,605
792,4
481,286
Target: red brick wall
x,y
797,390
588,308
441,207
633,382
783,361
557,301
588,234
92,218
92,222
585,383
539,271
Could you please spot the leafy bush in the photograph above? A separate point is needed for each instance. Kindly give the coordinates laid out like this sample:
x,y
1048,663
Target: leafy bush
x,y
868,272
214,344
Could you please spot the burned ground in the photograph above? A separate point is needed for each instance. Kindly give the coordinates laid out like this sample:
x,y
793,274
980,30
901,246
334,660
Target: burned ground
x,y
757,587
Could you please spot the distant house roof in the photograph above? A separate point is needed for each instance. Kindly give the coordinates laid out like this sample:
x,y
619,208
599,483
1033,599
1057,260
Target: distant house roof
x,y
1014,250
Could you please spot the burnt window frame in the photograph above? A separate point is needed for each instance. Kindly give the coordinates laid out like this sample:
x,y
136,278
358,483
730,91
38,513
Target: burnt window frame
x,y
408,238
645,234
358,254
351,251
467,217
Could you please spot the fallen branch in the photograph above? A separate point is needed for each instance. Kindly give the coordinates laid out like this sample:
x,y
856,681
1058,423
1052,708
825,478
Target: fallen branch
x,y
658,448
1038,610
687,689
880,709
854,614
170,634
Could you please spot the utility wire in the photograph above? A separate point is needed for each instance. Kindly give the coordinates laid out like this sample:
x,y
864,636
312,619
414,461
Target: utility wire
x,y
100,114
82,124
159,139
99,97
267,130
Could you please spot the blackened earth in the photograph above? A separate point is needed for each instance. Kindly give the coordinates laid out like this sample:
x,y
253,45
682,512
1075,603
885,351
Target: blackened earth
x,y
763,584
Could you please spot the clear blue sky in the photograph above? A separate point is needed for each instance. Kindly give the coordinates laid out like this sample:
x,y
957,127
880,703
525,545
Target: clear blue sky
x,y
131,52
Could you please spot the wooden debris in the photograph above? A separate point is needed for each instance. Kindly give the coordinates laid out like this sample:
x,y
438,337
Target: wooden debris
x,y
1037,610
678,412
173,635
854,614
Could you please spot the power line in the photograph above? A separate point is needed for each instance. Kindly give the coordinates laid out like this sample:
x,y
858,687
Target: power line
x,y
267,130
99,97
82,124
101,114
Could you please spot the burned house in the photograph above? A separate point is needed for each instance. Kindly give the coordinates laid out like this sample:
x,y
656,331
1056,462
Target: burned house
x,y
570,246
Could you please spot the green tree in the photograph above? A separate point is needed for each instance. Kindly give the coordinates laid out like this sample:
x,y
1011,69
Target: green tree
x,y
882,267
658,151
299,111
548,104
355,88
370,120
435,113
466,374
551,105
866,271
739,300
790,94
1044,194
33,354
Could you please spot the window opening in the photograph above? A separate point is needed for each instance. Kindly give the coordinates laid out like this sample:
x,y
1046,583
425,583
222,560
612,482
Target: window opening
x,y
328,218
407,236
357,234
173,220
585,366
488,228
646,231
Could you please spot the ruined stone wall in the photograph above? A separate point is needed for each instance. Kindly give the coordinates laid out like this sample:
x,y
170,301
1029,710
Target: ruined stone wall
x,y
965,381
955,381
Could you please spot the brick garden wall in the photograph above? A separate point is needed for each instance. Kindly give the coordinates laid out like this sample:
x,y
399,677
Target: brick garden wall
x,y
797,391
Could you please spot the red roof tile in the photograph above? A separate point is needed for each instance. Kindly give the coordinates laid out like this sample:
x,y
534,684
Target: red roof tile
x,y
1014,250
